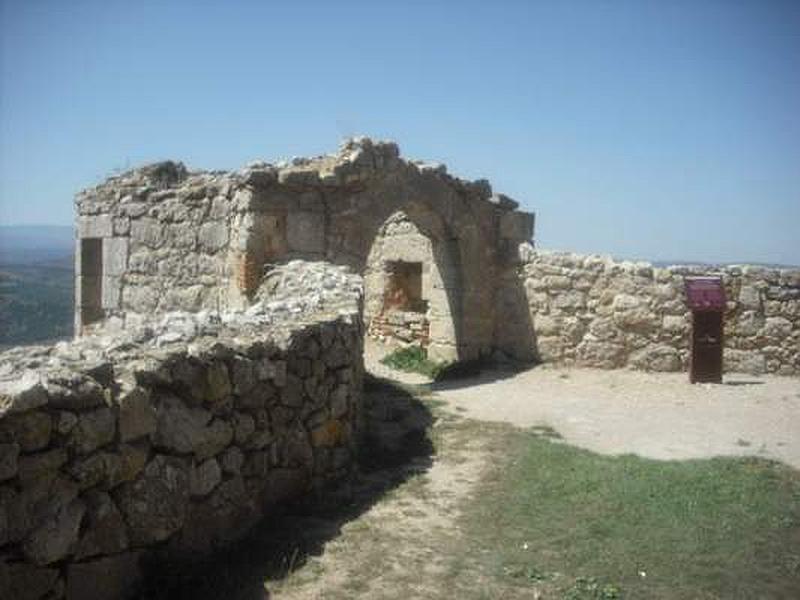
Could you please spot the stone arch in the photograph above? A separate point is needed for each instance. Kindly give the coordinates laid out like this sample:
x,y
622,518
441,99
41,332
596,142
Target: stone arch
x,y
413,287
352,234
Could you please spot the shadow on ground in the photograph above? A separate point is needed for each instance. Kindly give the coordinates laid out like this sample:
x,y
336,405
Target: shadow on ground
x,y
395,447
477,372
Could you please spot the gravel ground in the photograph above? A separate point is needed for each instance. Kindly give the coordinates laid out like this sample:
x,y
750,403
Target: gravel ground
x,y
657,415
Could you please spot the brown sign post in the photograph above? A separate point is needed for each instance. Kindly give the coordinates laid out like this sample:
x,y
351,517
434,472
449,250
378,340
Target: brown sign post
x,y
706,299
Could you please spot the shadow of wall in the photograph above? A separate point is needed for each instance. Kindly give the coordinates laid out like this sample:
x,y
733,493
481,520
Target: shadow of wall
x,y
395,447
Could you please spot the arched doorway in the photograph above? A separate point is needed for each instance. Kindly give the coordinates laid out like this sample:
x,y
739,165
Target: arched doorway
x,y
412,289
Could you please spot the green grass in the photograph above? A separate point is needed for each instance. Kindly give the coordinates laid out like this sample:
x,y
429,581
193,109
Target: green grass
x,y
625,527
413,359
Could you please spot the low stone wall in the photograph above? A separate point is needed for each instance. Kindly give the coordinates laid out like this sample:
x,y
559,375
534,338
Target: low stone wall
x,y
401,326
172,439
593,311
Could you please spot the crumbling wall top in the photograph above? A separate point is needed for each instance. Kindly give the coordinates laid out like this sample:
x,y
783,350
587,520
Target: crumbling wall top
x,y
357,160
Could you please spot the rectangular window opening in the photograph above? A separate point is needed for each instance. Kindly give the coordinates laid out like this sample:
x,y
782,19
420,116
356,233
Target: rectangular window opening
x,y
404,287
91,280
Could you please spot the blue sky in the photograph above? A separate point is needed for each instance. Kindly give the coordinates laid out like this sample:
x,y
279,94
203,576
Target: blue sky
x,y
659,130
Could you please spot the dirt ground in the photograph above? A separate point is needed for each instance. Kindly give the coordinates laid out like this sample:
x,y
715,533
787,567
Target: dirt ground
x,y
655,415
409,544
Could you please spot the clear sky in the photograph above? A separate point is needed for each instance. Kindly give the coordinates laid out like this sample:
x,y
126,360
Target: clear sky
x,y
660,130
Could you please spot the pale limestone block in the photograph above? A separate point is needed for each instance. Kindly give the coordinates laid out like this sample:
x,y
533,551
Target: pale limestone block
x,y
97,226
305,231
110,292
115,256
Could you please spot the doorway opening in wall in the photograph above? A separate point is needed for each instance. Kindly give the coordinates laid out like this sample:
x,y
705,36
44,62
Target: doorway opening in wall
x,y
403,311
91,308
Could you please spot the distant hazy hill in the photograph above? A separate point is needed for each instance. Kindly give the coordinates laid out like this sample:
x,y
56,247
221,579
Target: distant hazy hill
x,y
23,244
36,284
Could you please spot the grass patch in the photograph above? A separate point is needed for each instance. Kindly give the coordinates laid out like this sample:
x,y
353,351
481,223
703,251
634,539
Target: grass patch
x,y
413,359
603,527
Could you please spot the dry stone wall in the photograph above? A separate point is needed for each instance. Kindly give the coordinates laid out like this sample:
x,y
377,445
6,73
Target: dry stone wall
x,y
162,238
174,438
596,312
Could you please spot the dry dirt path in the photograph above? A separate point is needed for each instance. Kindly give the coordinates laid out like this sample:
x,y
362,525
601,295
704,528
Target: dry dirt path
x,y
409,544
655,415
402,547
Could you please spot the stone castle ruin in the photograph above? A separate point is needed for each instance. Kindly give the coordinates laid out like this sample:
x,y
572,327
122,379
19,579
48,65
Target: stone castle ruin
x,y
432,248
218,368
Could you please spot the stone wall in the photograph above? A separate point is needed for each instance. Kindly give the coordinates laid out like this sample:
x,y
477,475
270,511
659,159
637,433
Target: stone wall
x,y
174,438
161,238
401,326
592,311
164,237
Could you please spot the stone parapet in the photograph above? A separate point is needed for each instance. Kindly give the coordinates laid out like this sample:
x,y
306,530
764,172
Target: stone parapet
x,y
597,312
173,438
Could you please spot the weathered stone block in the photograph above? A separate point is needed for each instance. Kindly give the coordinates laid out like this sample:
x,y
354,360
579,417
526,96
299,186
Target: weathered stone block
x,y
212,237
95,469
41,465
674,324
305,232
179,426
154,506
56,538
93,430
137,415
232,460
750,298
147,232
9,453
105,531
132,461
656,358
339,401
74,392
96,226
272,370
243,375
743,361
65,421
31,430
115,256
777,329
292,392
22,393
111,292
203,478
244,426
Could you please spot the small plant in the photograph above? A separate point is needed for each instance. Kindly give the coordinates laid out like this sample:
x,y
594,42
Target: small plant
x,y
587,588
413,359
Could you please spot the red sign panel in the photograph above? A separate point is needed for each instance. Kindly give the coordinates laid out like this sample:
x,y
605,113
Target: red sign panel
x,y
705,293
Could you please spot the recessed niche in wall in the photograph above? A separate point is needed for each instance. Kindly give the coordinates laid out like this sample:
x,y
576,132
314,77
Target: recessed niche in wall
x,y
404,287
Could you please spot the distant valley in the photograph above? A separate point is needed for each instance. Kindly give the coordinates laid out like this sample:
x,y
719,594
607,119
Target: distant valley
x,y
36,284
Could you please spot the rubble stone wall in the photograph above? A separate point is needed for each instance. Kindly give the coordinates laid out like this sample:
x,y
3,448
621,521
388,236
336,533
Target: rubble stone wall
x,y
596,312
179,240
174,438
